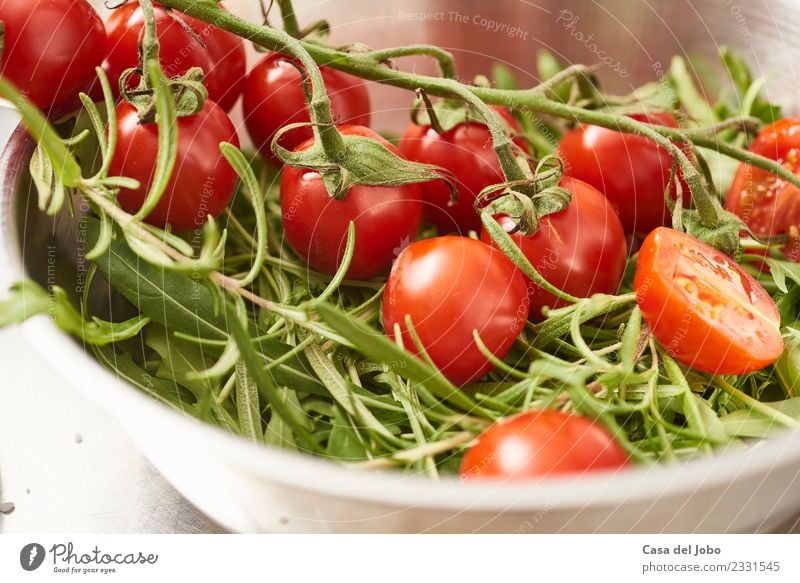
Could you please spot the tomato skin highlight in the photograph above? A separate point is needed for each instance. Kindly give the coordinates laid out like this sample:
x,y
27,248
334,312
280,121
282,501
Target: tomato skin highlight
x,y
632,171
538,444
581,250
765,202
705,310
466,150
274,97
315,224
222,58
202,182
51,49
450,286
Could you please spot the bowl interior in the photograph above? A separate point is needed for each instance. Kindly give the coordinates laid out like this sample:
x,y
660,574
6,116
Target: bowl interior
x,y
635,40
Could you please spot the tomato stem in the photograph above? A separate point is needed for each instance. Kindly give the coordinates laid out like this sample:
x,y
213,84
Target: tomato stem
x,y
290,24
149,48
365,65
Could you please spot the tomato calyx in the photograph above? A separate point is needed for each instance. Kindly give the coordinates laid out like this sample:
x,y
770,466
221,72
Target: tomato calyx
x,y
189,93
357,160
526,201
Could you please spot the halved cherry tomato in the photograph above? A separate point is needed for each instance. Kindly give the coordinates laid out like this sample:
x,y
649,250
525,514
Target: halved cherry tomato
x,y
202,182
632,171
274,97
386,218
451,286
766,203
466,150
539,444
51,48
580,250
704,308
218,53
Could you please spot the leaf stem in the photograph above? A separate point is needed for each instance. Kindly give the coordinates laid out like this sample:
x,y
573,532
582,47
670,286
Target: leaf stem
x,y
364,65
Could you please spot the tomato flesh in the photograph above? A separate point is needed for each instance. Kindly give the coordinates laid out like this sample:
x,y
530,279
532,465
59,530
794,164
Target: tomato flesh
x,y
581,250
538,444
705,309
451,286
766,203
202,182
51,49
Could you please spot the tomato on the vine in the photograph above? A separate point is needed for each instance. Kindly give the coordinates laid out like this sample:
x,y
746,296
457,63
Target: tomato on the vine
x,y
386,218
274,97
51,49
202,181
703,307
466,150
451,286
218,53
581,250
538,444
765,202
632,171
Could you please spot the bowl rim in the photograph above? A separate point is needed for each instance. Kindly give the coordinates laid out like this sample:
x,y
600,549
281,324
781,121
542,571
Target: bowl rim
x,y
389,488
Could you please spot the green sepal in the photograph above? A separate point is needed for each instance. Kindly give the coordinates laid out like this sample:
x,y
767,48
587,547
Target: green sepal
x,y
526,211
189,93
364,161
725,236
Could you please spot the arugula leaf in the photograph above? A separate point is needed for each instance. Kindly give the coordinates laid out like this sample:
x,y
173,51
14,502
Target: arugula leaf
x,y
247,404
122,365
378,347
29,299
186,305
748,96
748,422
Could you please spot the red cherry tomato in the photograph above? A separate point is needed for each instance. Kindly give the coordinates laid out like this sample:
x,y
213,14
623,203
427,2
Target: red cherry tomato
x,y
274,97
632,171
705,309
580,250
466,150
51,48
450,286
766,203
539,444
219,53
386,218
202,182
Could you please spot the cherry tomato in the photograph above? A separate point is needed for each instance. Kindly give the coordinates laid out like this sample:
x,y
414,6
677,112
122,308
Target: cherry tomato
x,y
51,48
202,182
466,150
580,250
274,97
766,203
705,310
219,53
450,286
386,218
632,171
545,443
